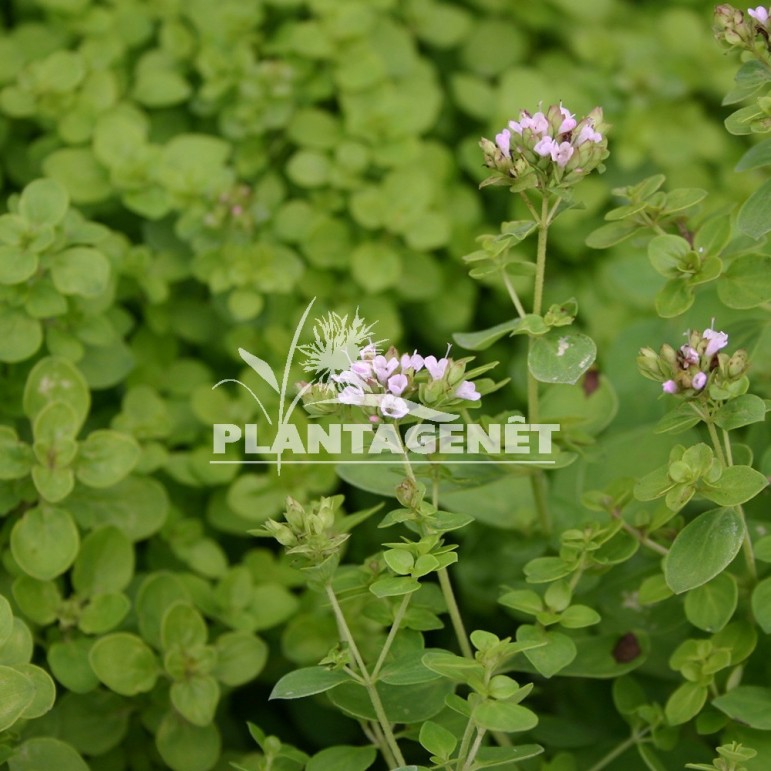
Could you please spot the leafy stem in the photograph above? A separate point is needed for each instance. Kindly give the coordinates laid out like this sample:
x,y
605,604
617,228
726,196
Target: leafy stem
x,y
398,617
391,744
620,749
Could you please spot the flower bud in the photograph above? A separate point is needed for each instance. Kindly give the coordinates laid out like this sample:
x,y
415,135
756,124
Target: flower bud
x,y
326,513
410,494
738,364
648,364
455,373
281,533
294,514
669,355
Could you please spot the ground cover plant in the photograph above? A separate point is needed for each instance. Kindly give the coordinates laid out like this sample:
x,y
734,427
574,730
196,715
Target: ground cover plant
x,y
390,215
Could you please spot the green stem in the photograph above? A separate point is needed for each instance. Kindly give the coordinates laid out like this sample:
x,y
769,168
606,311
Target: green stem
x,y
447,592
636,534
464,744
374,696
537,479
400,611
749,554
512,293
619,750
474,748
716,442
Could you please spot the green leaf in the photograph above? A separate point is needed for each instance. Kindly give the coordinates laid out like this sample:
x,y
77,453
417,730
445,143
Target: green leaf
x,y
307,681
746,282
737,484
103,613
740,122
742,411
674,298
755,157
56,379
15,455
747,704
106,457
457,668
559,649
70,666
683,198
342,757
711,606
754,218
490,757
43,202
20,335
196,698
611,234
241,656
685,703
677,420
80,270
481,341
762,549
703,549
761,604
105,563
437,740
45,542
394,586
186,747
124,663
6,620
183,626
18,693
523,600
504,716
45,691
79,173
561,357
579,616
17,264
45,752
667,253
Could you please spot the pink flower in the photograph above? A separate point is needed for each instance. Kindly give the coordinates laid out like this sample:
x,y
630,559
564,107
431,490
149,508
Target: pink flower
x,y
414,362
467,390
435,368
717,340
515,127
348,377
699,381
544,146
538,123
397,384
568,122
588,134
384,368
561,153
351,395
670,387
393,406
362,368
503,140
760,14
690,355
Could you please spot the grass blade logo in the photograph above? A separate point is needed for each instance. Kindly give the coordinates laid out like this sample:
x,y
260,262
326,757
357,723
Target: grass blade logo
x,y
362,396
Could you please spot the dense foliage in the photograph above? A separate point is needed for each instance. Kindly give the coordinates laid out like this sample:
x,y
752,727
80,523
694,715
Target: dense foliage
x,y
183,177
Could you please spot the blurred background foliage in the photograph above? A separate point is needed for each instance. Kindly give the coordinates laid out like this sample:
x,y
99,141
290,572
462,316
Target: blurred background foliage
x,y
230,161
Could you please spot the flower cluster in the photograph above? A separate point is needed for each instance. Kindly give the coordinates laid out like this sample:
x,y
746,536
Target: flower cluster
x,y
384,384
697,363
735,28
546,148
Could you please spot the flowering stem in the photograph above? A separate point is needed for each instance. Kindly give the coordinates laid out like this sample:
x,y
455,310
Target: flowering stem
x,y
537,478
447,592
512,293
749,554
345,633
716,442
474,748
400,611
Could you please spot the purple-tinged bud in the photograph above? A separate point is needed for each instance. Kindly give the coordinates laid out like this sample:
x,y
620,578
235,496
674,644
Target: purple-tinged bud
x,y
699,381
738,364
716,341
410,494
669,387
